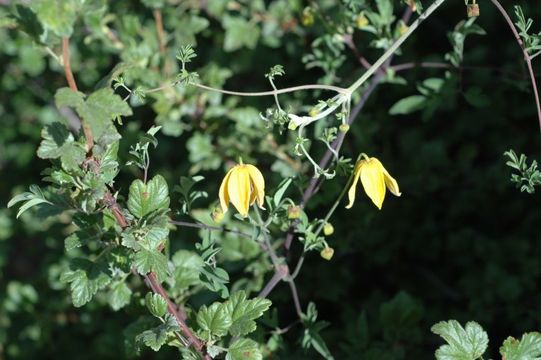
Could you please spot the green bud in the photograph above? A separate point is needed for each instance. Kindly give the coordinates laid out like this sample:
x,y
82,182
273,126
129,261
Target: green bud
x,y
217,215
328,229
327,253
293,212
344,128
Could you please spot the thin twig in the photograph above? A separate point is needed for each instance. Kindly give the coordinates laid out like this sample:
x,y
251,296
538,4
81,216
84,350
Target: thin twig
x,y
535,55
280,273
199,225
296,300
527,58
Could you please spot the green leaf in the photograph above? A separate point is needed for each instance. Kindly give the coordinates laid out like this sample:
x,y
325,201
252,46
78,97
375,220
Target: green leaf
x,y
101,108
528,348
243,312
187,268
146,261
463,343
239,33
408,105
143,199
98,110
156,304
31,199
244,349
119,296
85,278
58,142
157,337
57,15
213,320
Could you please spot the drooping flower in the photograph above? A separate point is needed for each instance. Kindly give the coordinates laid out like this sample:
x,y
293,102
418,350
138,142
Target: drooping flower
x,y
375,179
242,186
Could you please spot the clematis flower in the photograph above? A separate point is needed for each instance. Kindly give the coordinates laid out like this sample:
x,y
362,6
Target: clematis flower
x,y
242,186
374,178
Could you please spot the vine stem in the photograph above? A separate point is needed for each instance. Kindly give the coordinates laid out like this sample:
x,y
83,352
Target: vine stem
x,y
199,225
527,57
259,93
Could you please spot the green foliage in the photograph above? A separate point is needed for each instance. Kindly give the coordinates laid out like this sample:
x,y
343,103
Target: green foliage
x,y
529,347
529,176
532,42
463,343
147,198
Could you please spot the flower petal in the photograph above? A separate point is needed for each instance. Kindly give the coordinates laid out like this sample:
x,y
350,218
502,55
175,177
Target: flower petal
x,y
373,181
258,186
224,196
238,189
391,183
353,188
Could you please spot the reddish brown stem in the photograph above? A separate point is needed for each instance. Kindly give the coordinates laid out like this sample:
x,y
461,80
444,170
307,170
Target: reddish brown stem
x,y
527,57
192,339
67,63
159,29
73,86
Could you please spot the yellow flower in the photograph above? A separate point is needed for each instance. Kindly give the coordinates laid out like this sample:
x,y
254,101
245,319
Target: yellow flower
x,y
374,179
242,186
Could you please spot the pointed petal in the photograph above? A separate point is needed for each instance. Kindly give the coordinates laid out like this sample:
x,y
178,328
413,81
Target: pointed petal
x,y
353,188
238,189
258,186
391,183
224,197
373,181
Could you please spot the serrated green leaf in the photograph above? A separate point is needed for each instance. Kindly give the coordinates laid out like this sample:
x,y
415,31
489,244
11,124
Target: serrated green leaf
x,y
187,268
58,142
119,296
243,312
157,337
528,348
66,97
143,199
97,111
85,278
146,261
244,349
467,343
57,15
213,320
239,32
156,304
408,105
102,107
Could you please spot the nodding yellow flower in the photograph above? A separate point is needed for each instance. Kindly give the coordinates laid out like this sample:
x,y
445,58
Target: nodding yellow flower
x,y
374,179
242,186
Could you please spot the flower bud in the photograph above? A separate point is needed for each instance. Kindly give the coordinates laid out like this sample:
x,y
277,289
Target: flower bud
x,y
402,28
313,111
328,229
327,253
217,215
361,21
293,212
472,10
307,18
344,128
